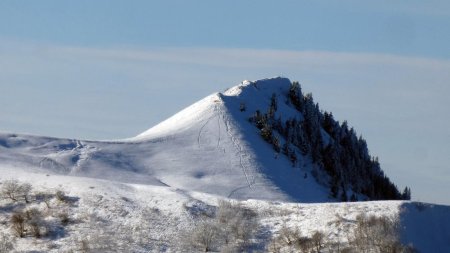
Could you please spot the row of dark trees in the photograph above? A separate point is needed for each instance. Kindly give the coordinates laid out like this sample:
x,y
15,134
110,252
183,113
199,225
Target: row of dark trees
x,y
333,146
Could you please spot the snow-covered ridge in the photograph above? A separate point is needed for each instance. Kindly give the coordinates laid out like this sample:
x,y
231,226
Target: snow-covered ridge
x,y
207,147
182,120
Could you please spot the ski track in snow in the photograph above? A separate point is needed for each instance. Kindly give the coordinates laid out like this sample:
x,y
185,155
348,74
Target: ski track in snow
x,y
201,130
240,153
218,124
207,122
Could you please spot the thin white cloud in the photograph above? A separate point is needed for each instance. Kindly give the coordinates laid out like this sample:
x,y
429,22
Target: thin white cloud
x,y
224,57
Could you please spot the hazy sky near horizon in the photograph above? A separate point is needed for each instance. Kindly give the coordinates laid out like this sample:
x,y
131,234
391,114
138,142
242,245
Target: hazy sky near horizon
x,y
112,69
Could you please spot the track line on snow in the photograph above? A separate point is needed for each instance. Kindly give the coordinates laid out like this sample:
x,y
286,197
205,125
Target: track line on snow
x,y
218,124
235,190
207,122
239,149
201,130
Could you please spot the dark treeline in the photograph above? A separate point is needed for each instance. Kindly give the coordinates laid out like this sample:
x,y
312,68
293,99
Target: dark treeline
x,y
333,146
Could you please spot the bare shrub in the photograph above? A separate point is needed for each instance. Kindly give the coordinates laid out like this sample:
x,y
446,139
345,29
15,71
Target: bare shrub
x,y
100,241
61,196
291,240
304,244
44,197
30,221
379,234
18,224
237,222
15,190
318,240
204,236
25,190
375,232
229,230
35,222
10,189
288,236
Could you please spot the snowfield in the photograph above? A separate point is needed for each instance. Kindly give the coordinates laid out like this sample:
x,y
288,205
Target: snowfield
x,y
148,193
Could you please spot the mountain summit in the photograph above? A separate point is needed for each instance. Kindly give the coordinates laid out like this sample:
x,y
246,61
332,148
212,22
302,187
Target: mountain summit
x,y
260,139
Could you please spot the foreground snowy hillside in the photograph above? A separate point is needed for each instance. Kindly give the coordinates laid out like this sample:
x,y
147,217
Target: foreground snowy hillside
x,y
95,215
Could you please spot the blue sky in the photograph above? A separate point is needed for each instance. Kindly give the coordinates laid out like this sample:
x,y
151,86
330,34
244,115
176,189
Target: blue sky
x,y
112,69
416,28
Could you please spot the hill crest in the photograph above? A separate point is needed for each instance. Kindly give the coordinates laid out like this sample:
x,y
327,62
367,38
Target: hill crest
x,y
218,145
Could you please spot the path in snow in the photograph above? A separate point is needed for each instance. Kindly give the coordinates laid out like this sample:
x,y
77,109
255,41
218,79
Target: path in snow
x,y
200,132
201,129
239,151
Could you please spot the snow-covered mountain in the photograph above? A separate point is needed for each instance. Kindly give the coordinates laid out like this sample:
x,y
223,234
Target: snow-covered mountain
x,y
209,147
238,144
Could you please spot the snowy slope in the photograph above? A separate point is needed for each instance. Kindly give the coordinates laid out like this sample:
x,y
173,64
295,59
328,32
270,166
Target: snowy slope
x,y
208,147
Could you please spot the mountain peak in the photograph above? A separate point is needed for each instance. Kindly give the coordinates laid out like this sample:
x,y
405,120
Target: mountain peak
x,y
262,84
203,108
274,125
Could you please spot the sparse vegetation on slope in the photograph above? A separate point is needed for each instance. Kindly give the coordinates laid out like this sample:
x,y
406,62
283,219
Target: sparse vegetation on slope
x,y
132,218
230,229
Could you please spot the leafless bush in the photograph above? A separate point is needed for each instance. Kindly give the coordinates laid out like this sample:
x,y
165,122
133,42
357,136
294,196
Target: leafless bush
x,y
18,224
318,240
291,239
377,234
61,196
237,222
231,229
35,222
304,244
97,243
204,236
15,190
30,222
288,236
44,197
